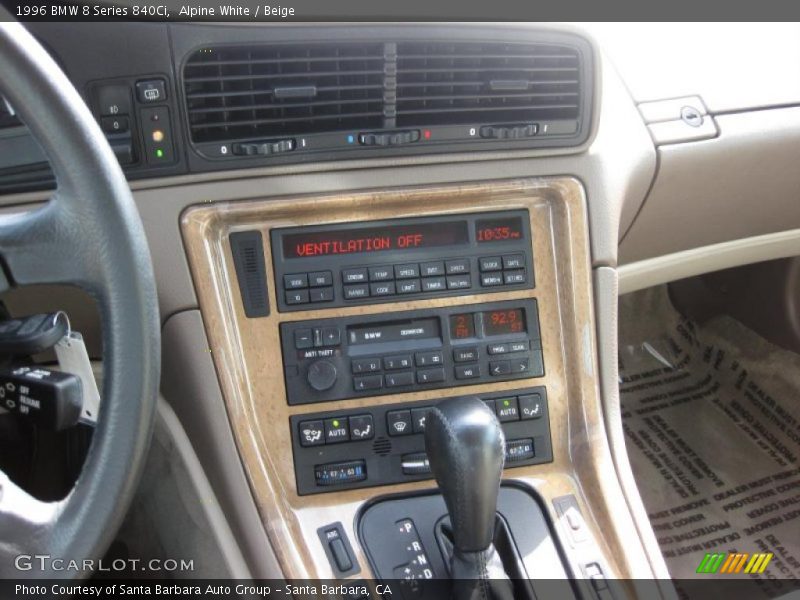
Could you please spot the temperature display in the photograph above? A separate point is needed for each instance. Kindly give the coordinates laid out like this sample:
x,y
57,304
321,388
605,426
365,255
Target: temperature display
x,y
499,230
503,322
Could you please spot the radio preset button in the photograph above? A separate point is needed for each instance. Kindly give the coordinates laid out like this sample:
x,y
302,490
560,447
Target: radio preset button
x,y
381,273
321,294
352,292
513,261
427,359
500,367
406,271
409,287
457,267
320,278
430,375
491,263
298,280
303,339
399,379
491,279
361,428
311,433
530,406
382,289
467,371
398,422
507,409
297,297
418,418
459,282
513,277
366,365
354,275
434,284
367,382
391,363
336,430
432,269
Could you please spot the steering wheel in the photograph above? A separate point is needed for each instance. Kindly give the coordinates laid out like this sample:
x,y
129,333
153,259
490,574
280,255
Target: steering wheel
x,y
89,235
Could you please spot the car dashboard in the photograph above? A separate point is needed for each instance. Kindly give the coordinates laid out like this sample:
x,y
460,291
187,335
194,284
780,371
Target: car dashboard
x,y
351,223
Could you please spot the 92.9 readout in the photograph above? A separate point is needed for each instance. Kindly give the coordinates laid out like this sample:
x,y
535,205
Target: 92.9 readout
x,y
503,322
499,230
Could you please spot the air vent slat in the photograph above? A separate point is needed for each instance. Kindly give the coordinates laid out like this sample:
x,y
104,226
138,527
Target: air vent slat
x,y
282,105
277,76
488,96
479,109
284,120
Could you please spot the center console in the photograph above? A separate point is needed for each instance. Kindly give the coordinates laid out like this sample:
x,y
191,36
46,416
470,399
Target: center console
x,y
339,322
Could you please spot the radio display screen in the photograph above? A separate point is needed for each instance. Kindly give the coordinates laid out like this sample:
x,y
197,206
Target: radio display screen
x,y
375,239
499,230
462,326
503,322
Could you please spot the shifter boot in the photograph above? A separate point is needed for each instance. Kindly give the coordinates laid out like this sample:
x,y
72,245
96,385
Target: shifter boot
x,y
480,576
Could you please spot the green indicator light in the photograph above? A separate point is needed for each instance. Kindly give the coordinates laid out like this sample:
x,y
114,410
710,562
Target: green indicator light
x,y
335,423
159,153
506,403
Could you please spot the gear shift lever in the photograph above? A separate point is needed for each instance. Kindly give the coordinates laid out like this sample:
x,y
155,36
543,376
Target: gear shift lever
x,y
466,451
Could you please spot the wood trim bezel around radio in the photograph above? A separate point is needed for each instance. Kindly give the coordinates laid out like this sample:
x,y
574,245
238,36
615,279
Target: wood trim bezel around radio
x,y
248,360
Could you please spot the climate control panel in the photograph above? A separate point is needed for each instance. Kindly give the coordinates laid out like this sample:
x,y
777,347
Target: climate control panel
x,y
350,357
380,445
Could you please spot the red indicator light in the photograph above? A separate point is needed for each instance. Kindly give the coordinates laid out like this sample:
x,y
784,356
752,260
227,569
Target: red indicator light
x,y
427,134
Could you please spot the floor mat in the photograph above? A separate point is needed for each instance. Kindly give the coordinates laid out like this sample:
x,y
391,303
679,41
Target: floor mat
x,y
711,417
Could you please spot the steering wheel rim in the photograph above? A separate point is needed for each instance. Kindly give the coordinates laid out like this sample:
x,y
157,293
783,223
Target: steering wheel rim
x,y
89,235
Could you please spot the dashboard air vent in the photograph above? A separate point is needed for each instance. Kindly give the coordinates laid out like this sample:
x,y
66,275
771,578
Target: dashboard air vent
x,y
440,83
259,91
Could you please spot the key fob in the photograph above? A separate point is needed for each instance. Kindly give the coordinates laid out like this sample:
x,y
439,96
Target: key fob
x,y
34,334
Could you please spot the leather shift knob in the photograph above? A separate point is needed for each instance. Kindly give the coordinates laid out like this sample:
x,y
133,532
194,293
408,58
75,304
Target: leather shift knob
x,y
466,450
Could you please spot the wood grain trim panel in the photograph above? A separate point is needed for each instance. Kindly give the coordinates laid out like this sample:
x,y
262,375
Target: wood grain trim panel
x,y
247,356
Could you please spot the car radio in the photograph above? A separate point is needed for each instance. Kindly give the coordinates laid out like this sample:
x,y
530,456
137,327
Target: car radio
x,y
402,259
370,355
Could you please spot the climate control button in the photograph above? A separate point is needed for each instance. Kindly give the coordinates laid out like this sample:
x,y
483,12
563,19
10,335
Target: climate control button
x,y
398,422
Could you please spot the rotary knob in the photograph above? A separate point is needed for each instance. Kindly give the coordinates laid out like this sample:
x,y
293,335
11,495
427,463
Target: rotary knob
x,y
321,375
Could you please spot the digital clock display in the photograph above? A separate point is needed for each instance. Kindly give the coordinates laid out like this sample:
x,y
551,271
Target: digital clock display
x,y
503,322
375,239
499,230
